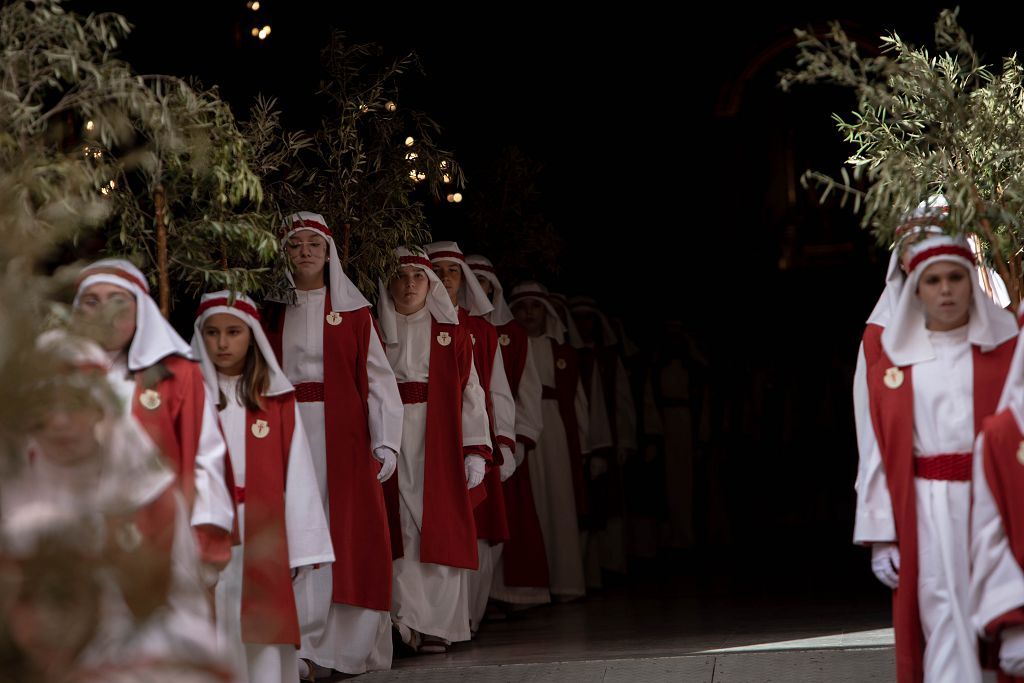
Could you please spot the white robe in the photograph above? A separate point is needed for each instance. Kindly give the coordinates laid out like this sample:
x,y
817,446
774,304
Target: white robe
x,y
529,424
428,598
309,543
944,423
347,638
551,481
504,407
183,630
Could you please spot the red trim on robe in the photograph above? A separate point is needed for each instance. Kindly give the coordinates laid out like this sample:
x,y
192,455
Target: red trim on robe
x,y
1005,478
566,381
491,518
524,558
268,601
175,427
448,534
358,519
892,415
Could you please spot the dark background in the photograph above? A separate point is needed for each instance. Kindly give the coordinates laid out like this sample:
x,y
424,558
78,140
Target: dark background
x,y
671,170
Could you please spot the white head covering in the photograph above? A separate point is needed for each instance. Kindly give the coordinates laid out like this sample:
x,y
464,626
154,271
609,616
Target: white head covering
x,y
538,292
927,217
905,338
129,471
154,337
587,304
438,302
245,310
471,295
561,303
501,314
345,296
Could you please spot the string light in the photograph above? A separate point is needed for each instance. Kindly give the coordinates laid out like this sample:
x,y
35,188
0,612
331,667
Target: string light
x,y
255,32
411,155
409,141
89,125
254,5
446,178
457,197
391,106
444,164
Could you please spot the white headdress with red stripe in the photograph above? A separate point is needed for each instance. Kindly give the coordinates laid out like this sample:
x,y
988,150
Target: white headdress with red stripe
x,y
589,305
471,294
345,296
438,301
243,308
535,291
905,338
501,314
154,338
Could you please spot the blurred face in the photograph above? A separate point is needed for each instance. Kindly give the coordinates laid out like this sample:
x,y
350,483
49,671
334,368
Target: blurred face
x,y
227,342
945,291
109,314
450,275
532,315
307,252
67,433
54,617
409,289
486,285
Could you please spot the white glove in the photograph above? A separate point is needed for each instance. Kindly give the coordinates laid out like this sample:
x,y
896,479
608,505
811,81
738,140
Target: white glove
x,y
508,463
598,466
885,563
1011,652
388,462
520,453
474,470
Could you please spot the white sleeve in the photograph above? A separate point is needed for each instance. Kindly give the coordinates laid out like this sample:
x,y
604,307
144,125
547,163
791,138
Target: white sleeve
x,y
476,429
874,518
997,582
599,433
582,417
213,503
501,399
384,402
309,539
529,422
625,410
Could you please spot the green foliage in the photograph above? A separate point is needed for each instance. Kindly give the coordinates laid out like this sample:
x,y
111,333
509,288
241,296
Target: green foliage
x,y
359,170
927,122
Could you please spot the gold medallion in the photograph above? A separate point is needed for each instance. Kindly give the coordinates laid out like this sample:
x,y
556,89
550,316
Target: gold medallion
x,y
260,429
149,399
893,378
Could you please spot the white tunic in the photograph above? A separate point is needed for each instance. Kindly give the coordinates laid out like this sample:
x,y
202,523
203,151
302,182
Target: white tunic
x,y
348,638
529,424
429,598
944,423
504,407
309,543
552,483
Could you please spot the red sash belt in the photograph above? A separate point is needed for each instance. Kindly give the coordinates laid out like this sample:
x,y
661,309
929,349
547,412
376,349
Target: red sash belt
x,y
413,392
239,494
309,392
945,467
